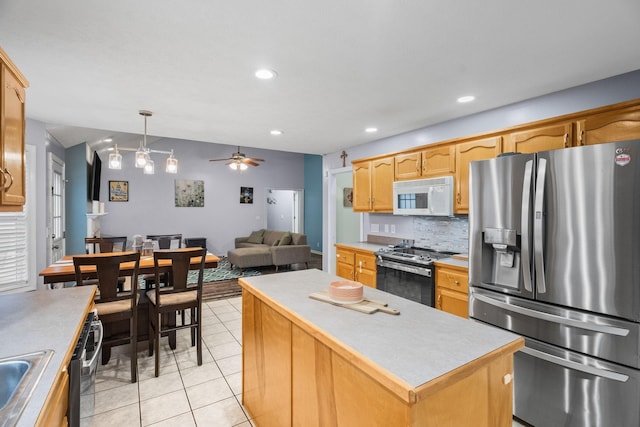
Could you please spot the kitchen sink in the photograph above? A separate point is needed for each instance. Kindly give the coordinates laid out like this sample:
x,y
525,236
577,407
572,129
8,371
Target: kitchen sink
x,y
19,375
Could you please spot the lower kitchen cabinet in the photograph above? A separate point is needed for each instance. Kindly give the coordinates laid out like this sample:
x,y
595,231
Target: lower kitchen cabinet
x,y
452,289
356,264
54,413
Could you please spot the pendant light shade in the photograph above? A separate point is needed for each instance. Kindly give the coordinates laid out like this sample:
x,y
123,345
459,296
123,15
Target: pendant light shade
x,y
115,159
149,168
172,164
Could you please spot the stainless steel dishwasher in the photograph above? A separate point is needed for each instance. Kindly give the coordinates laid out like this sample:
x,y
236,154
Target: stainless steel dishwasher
x,y
82,370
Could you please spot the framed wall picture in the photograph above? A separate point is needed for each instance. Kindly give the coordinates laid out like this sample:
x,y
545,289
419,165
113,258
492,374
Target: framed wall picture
x,y
189,193
118,191
246,194
347,197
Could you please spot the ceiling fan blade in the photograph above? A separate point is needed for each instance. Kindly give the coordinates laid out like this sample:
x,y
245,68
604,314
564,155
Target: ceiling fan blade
x,y
219,160
255,159
251,162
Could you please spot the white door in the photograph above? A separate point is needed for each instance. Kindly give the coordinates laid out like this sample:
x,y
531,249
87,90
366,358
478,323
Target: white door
x,y
56,209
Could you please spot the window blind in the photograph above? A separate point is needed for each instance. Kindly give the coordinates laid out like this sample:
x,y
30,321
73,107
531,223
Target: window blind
x,y
14,272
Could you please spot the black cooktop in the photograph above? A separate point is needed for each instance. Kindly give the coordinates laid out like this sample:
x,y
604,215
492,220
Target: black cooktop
x,y
412,255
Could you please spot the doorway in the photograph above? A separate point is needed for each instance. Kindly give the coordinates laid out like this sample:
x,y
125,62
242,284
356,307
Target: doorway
x,y
285,210
343,223
56,247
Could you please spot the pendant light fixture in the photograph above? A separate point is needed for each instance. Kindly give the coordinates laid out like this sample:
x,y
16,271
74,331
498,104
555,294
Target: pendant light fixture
x,y
142,157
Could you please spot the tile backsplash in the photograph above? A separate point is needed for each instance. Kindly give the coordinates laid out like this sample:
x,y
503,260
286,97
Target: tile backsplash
x,y
449,234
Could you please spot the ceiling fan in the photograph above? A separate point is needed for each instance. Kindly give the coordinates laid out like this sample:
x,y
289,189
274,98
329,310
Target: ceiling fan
x,y
239,160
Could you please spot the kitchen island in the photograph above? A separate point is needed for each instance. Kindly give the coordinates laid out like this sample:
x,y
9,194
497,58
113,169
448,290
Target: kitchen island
x,y
309,363
45,320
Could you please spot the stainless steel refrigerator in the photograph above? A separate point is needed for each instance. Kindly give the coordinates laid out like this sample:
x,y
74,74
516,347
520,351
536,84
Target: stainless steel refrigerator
x,y
554,255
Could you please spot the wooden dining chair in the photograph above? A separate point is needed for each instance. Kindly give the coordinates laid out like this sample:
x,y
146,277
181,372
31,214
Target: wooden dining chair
x,y
95,245
112,305
177,296
164,241
105,244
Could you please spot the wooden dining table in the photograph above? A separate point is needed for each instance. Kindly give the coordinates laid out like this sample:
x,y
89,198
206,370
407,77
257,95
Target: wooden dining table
x,y
63,270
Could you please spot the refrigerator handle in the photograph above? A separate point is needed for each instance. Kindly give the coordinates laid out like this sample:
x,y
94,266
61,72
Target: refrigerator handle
x,y
526,225
587,326
612,375
538,227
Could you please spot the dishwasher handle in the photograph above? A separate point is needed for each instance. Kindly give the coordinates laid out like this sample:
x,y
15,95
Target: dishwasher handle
x,y
98,347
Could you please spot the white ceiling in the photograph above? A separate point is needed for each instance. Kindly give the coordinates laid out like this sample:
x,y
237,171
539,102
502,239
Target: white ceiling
x,y
342,65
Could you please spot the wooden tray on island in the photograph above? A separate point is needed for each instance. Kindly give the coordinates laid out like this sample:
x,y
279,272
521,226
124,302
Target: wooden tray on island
x,y
365,306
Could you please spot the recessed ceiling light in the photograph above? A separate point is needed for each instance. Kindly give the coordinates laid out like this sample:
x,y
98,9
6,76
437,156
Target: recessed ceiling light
x,y
108,139
276,132
371,130
265,74
467,98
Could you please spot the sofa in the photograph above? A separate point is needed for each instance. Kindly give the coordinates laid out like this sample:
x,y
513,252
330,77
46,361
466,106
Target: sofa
x,y
270,247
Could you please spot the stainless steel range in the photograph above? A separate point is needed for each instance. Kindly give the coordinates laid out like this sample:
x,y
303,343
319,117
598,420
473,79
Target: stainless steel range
x,y
408,273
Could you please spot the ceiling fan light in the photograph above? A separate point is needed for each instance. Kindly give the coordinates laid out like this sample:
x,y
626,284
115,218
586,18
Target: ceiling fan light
x,y
243,167
233,165
172,164
149,168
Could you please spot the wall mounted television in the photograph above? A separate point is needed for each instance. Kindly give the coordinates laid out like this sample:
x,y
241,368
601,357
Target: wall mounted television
x,y
93,178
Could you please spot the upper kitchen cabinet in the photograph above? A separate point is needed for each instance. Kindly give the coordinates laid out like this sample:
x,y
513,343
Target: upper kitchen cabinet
x,y
407,166
617,125
12,135
373,185
439,161
428,163
467,152
540,139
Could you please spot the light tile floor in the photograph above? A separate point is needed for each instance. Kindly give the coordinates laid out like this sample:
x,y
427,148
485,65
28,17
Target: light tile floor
x,y
184,394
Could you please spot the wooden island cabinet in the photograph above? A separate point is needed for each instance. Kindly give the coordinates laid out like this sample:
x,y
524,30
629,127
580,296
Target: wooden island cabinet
x,y
309,363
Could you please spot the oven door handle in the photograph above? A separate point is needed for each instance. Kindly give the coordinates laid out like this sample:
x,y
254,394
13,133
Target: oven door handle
x,y
589,326
421,271
98,349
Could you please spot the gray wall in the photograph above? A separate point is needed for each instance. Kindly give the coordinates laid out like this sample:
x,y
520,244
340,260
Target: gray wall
x,y
151,207
616,89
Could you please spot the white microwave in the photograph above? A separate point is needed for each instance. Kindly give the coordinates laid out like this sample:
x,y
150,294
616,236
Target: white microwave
x,y
432,197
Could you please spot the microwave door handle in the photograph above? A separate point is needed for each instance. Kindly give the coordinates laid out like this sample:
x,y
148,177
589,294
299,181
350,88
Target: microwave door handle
x,y
526,225
538,226
611,375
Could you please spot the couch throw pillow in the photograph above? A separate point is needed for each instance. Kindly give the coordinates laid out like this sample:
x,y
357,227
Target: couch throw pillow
x,y
256,237
285,239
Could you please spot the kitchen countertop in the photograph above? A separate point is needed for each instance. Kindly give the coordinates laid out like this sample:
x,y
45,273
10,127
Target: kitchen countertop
x,y
403,345
444,262
42,320
373,247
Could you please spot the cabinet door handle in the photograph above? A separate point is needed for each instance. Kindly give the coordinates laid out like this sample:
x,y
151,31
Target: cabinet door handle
x,y
456,282
458,198
581,137
439,301
5,172
417,166
566,140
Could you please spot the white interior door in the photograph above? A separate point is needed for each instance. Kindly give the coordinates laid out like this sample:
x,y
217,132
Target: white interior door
x,y
56,247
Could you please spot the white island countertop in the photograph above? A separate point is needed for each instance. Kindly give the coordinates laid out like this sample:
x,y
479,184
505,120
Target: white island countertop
x,y
417,346
42,320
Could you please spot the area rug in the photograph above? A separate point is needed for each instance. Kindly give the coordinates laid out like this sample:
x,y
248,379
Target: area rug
x,y
224,271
